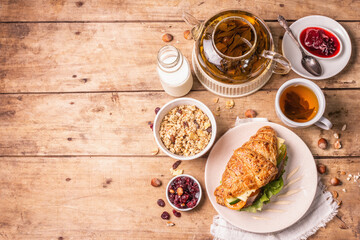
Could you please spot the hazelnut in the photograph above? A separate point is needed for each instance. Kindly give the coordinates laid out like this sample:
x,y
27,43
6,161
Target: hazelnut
x,y
250,113
167,37
155,182
335,181
337,144
321,168
180,191
322,143
187,35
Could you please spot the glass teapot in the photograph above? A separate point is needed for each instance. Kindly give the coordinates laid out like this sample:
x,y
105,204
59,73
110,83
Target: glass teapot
x,y
234,53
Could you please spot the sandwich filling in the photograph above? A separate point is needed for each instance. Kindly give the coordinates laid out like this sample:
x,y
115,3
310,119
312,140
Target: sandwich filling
x,y
254,200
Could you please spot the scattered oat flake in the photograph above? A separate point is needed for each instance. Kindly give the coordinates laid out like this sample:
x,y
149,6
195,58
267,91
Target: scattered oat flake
x,y
218,108
343,127
336,136
176,172
229,104
344,190
348,179
217,114
216,100
339,203
343,173
170,224
155,151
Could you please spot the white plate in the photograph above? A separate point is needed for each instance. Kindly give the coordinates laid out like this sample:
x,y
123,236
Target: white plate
x,y
331,67
282,211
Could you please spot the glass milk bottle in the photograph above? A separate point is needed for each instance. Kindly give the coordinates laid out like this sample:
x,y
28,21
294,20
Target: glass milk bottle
x,y
174,71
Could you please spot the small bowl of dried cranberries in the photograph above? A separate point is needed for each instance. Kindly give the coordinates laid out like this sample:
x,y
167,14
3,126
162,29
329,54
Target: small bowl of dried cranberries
x,y
183,192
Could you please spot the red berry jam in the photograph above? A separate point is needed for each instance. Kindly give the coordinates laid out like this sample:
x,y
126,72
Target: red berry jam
x,y
183,192
320,42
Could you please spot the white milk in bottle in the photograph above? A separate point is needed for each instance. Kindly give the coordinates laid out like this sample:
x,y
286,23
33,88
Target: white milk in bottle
x,y
174,71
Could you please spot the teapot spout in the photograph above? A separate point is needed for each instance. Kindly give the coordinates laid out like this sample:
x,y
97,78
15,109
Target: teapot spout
x,y
196,25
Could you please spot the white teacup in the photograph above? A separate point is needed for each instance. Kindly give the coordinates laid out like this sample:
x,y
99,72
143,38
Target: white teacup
x,y
318,120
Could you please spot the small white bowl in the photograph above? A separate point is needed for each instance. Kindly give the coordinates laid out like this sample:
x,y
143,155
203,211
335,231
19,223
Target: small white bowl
x,y
167,193
166,109
337,37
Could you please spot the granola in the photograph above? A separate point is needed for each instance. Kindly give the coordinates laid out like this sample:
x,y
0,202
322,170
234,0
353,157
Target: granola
x,y
185,130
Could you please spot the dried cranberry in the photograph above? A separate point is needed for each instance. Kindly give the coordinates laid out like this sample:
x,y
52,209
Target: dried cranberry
x,y
161,203
151,126
179,111
192,203
165,215
176,213
171,197
176,164
185,124
157,109
209,129
184,198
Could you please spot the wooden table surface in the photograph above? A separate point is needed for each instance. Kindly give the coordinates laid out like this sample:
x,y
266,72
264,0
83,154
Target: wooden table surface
x,y
78,86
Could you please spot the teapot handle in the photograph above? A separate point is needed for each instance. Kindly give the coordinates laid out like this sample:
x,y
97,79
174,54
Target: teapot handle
x,y
283,66
196,25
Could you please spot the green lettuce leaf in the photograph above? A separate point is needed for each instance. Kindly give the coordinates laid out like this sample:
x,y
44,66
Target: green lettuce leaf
x,y
271,189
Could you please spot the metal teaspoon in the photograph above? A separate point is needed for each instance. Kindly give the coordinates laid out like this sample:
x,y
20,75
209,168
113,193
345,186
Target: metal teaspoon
x,y
308,62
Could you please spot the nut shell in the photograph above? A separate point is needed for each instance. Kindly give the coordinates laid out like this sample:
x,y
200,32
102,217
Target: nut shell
x,y
167,37
321,168
337,144
187,35
322,143
155,182
335,181
250,113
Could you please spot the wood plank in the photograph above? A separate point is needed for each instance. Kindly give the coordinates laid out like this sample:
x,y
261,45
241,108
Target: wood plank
x,y
68,57
111,123
127,10
49,198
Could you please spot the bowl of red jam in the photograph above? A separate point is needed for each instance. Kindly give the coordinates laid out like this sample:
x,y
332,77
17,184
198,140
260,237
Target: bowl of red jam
x,y
183,192
320,42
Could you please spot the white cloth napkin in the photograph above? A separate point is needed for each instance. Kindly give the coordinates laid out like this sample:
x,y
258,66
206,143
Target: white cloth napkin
x,y
321,211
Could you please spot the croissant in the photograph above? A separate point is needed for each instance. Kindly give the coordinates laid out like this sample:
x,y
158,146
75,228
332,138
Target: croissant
x,y
251,167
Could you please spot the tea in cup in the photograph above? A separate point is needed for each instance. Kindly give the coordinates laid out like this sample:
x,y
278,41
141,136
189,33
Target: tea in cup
x,y
301,103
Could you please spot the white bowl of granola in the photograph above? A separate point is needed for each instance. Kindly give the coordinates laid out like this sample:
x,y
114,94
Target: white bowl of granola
x,y
185,129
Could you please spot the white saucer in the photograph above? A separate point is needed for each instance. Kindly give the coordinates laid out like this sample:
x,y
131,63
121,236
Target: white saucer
x,y
331,67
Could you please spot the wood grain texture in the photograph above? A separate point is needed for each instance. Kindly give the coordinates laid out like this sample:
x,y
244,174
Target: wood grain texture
x,y
127,10
73,57
111,123
111,198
